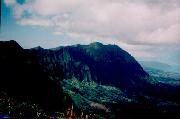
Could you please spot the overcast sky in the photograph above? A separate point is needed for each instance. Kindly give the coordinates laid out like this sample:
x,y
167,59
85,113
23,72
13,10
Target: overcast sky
x,y
147,29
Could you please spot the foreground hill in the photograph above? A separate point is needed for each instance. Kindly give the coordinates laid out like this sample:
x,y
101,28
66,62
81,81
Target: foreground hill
x,y
22,79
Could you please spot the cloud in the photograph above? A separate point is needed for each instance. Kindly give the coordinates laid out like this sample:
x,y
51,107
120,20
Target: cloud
x,y
129,23
163,36
35,22
10,2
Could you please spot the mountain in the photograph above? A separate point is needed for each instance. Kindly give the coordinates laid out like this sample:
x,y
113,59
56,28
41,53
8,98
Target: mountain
x,y
98,79
160,66
104,64
102,74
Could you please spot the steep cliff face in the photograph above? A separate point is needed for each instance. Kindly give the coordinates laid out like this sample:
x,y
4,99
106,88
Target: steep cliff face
x,y
104,64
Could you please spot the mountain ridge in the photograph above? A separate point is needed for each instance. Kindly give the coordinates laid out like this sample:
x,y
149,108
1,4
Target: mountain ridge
x,y
98,60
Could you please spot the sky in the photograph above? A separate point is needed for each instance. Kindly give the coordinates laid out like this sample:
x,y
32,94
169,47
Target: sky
x,y
147,29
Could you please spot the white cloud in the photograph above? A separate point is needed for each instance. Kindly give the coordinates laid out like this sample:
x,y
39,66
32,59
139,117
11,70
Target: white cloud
x,y
125,20
163,36
35,22
129,23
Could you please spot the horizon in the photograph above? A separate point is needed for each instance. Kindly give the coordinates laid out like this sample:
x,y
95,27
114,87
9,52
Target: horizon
x,y
152,35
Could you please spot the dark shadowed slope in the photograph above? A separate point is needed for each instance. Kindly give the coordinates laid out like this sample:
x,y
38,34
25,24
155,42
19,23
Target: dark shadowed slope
x,y
23,79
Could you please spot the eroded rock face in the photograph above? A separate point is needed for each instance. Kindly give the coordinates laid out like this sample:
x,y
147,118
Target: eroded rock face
x,y
104,64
